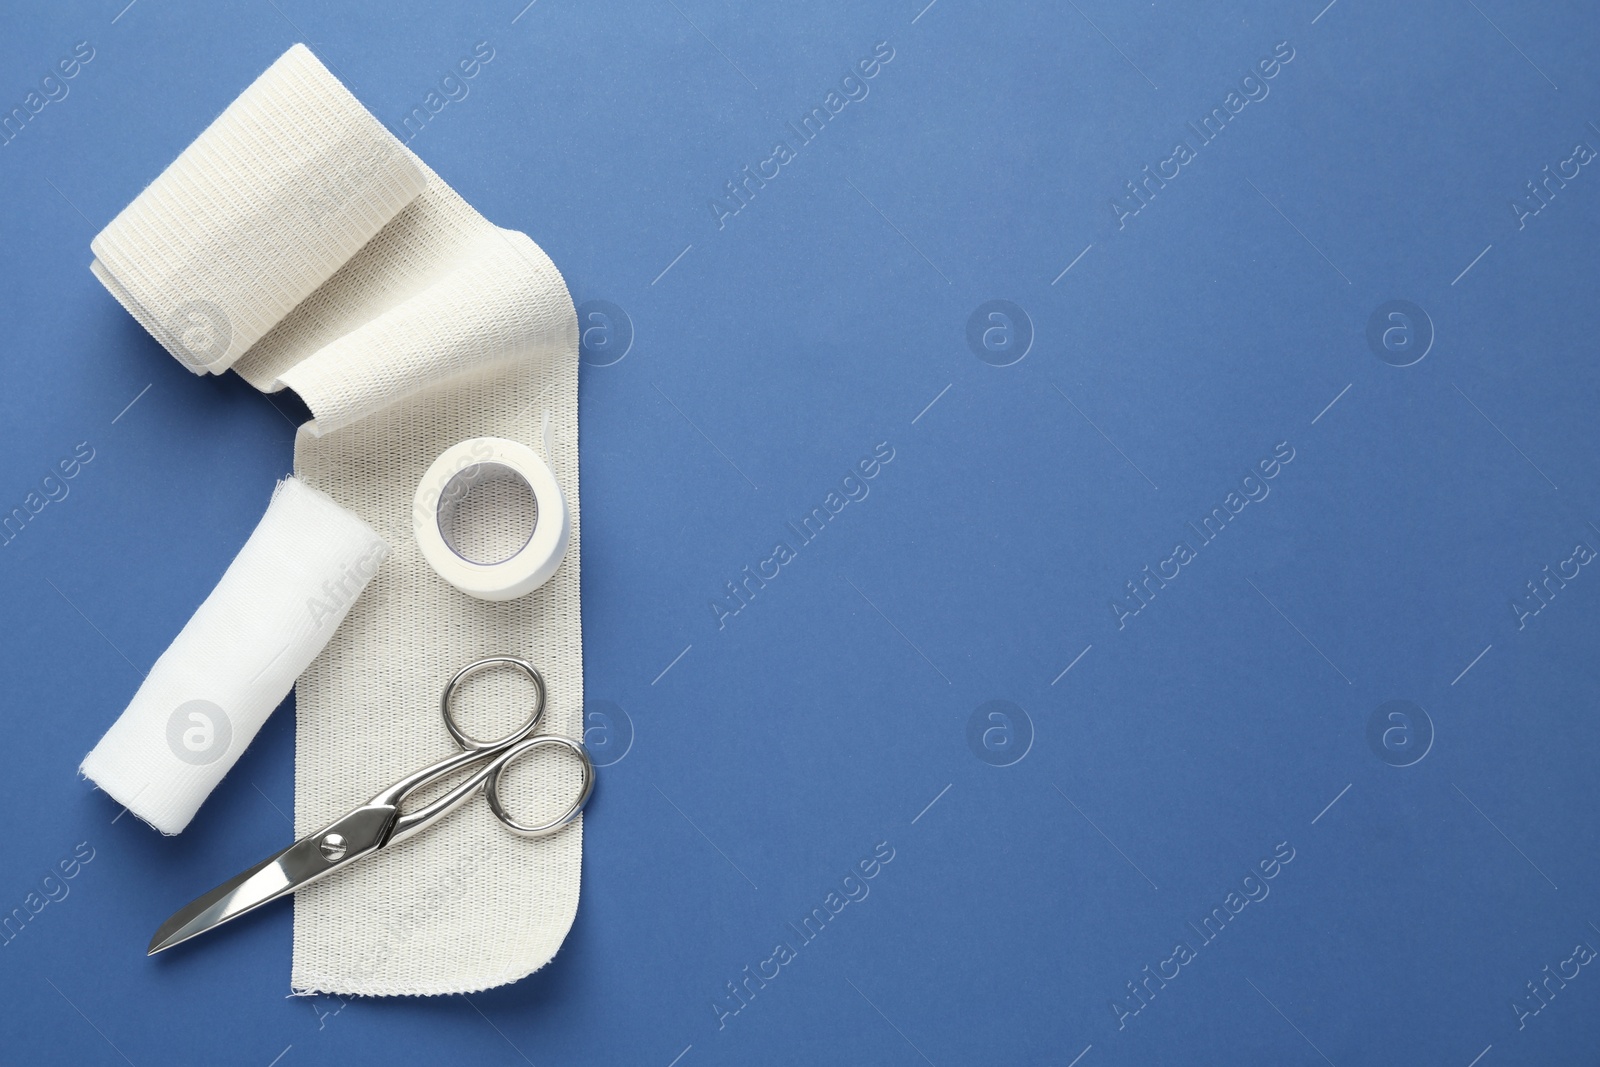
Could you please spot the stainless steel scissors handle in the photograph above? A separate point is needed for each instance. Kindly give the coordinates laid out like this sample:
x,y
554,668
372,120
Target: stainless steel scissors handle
x,y
498,756
380,823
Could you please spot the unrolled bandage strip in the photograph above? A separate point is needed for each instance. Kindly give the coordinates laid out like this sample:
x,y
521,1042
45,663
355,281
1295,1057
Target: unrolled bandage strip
x,y
301,244
278,604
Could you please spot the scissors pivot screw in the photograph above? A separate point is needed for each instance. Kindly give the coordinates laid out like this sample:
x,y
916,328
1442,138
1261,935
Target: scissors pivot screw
x,y
333,847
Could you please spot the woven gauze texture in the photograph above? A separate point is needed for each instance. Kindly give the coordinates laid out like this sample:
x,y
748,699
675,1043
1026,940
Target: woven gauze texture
x,y
186,257
440,327
274,610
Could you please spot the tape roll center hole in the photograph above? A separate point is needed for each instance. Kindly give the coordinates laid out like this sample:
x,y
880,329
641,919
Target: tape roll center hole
x,y
487,513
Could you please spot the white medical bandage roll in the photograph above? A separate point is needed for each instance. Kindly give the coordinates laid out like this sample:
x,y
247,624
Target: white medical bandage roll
x,y
348,177
277,605
490,519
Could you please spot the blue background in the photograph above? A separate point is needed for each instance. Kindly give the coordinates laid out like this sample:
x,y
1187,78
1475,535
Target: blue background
x,y
761,760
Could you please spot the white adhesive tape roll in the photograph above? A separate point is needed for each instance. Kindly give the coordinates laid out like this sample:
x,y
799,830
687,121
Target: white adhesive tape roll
x,y
490,519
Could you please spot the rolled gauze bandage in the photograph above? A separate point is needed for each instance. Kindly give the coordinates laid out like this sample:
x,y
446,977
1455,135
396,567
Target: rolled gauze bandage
x,y
209,268
277,605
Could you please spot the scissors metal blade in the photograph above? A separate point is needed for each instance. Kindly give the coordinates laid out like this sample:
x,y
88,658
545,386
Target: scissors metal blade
x,y
350,838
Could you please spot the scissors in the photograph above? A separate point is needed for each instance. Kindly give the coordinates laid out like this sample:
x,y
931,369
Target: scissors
x,y
379,823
